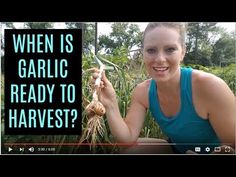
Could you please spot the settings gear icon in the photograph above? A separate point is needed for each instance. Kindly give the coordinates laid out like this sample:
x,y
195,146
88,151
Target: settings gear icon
x,y
207,149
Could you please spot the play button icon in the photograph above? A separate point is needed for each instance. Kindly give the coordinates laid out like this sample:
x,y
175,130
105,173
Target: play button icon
x,y
9,149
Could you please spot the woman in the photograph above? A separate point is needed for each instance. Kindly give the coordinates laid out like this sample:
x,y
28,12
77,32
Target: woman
x,y
195,109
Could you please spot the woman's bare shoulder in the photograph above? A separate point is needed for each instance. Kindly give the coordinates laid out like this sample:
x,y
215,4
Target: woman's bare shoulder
x,y
204,80
143,85
140,93
208,84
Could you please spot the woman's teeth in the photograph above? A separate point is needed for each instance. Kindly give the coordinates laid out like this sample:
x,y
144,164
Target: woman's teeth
x,y
160,68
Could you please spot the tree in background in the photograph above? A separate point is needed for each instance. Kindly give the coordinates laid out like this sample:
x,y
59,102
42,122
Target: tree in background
x,y
199,43
123,36
9,25
38,25
209,45
224,50
88,33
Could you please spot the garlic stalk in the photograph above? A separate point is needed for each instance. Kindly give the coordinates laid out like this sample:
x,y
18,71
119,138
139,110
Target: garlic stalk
x,y
97,82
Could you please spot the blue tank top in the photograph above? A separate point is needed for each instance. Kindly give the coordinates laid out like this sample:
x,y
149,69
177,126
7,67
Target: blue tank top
x,y
186,130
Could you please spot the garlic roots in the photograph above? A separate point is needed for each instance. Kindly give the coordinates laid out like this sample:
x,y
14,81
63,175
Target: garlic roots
x,y
95,108
95,112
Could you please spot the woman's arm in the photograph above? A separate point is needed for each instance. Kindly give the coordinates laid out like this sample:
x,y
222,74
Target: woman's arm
x,y
220,104
127,130
124,130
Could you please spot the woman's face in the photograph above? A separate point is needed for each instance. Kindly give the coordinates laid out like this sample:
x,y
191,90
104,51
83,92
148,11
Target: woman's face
x,y
162,53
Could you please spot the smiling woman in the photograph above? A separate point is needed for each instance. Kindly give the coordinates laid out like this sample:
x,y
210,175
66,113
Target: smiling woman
x,y
193,108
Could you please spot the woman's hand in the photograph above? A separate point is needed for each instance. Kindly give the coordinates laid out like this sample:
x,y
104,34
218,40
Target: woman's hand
x,y
106,92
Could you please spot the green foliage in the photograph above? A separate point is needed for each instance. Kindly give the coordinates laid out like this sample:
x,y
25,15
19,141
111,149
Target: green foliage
x,y
123,35
9,25
88,33
2,64
119,56
2,97
209,45
224,50
151,129
38,25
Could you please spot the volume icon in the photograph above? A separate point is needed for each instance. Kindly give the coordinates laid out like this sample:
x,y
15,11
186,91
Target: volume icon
x,y
31,149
